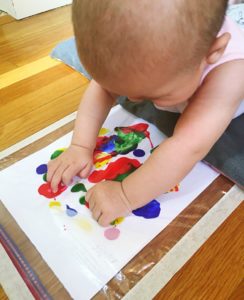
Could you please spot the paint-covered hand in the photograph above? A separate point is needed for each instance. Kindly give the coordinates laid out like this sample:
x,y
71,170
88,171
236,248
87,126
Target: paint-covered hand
x,y
107,202
76,160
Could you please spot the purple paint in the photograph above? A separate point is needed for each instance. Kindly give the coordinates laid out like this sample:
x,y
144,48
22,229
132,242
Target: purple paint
x,y
139,152
71,212
42,169
149,211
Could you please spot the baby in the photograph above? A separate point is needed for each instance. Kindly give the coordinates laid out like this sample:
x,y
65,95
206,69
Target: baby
x,y
171,53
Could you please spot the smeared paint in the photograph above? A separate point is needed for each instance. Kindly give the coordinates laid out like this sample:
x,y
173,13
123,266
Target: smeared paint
x,y
78,187
83,201
100,159
149,211
42,169
125,141
139,152
46,191
140,129
117,221
44,177
103,131
71,212
175,189
151,151
116,170
54,204
112,233
57,152
84,224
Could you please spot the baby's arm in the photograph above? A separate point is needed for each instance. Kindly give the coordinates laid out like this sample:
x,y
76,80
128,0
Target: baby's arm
x,y
78,158
209,113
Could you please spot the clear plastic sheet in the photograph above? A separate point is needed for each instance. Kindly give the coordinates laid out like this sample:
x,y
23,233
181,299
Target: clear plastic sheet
x,y
142,263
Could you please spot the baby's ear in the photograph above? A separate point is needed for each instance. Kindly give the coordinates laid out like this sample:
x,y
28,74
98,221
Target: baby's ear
x,y
218,47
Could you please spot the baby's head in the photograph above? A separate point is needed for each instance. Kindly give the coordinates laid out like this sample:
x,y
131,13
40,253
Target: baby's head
x,y
135,48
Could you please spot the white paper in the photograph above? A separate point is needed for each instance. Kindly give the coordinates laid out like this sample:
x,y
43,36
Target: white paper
x,y
83,259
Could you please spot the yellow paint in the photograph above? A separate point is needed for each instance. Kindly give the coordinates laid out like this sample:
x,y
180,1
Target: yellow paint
x,y
27,71
84,224
54,203
102,163
118,221
62,149
103,131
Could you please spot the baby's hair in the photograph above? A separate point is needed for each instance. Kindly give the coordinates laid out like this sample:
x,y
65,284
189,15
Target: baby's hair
x,y
113,36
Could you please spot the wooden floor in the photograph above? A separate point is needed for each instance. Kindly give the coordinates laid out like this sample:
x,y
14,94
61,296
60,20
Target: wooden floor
x,y
36,91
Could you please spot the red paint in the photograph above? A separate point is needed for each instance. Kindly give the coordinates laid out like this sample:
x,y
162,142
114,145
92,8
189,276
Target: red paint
x,y
101,159
46,191
114,169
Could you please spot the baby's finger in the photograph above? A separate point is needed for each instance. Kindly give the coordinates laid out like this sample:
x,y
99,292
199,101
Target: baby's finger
x,y
96,213
52,166
85,172
104,220
69,173
57,176
88,198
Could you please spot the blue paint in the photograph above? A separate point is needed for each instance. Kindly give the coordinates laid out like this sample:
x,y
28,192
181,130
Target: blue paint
x,y
109,146
71,212
139,152
149,211
42,169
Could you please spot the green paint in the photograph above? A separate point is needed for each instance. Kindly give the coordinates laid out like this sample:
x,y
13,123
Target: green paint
x,y
44,177
82,200
121,177
113,223
127,142
56,153
79,187
151,151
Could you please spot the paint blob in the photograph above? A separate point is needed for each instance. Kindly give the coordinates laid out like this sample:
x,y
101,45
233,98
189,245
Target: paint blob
x,y
116,170
57,153
103,131
54,204
84,224
117,221
79,187
112,233
71,212
139,152
149,211
42,169
83,201
46,191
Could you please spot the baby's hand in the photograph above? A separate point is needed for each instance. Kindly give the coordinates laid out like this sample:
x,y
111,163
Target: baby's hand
x,y
76,160
107,202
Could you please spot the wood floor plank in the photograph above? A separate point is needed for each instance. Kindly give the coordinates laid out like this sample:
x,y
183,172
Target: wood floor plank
x,y
27,71
27,40
23,105
3,296
216,270
20,128
6,19
27,87
6,66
